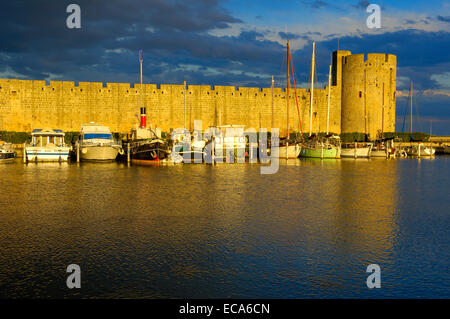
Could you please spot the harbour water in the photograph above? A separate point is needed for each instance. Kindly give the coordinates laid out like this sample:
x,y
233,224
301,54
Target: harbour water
x,y
202,231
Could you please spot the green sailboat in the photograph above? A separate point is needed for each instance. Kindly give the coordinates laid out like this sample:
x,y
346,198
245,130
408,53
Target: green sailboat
x,y
320,150
329,147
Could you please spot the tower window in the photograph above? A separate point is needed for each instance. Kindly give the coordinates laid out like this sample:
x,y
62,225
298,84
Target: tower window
x,y
360,93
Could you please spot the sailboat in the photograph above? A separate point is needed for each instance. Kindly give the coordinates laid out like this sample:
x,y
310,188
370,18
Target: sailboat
x,y
418,149
186,147
286,150
320,148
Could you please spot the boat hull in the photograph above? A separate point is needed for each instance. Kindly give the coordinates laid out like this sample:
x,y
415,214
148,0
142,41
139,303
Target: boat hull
x,y
290,151
378,153
419,152
149,151
145,162
447,150
358,152
320,152
45,154
99,153
7,157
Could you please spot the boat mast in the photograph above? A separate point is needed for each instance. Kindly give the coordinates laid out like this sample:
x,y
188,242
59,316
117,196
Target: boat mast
x,y
272,100
140,63
382,115
287,91
365,106
296,97
184,85
410,115
312,90
329,96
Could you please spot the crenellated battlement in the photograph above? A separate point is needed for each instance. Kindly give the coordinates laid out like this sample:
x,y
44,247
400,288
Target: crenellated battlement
x,y
29,104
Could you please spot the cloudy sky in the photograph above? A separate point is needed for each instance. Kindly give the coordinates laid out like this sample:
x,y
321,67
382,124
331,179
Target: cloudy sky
x,y
230,42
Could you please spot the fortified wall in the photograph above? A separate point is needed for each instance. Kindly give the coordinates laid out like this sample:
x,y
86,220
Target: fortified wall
x,y
27,104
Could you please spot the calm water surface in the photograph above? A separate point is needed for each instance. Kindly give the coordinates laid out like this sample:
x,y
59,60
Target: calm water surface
x,y
197,231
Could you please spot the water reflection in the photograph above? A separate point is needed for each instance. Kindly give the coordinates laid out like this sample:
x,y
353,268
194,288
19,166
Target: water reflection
x,y
217,231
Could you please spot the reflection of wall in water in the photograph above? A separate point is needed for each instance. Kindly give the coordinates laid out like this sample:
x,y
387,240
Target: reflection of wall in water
x,y
366,207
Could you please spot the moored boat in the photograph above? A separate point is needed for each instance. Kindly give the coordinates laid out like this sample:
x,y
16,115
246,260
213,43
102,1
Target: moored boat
x,y
47,145
146,146
154,149
289,151
96,143
320,151
7,155
356,150
328,147
187,148
228,142
420,150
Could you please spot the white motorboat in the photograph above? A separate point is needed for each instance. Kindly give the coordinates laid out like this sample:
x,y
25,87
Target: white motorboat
x,y
96,143
47,145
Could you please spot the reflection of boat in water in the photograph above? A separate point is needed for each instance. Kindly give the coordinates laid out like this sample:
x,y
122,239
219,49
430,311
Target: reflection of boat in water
x,y
7,155
356,150
47,145
97,144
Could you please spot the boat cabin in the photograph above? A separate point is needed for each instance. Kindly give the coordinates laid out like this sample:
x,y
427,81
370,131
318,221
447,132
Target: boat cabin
x,y
44,137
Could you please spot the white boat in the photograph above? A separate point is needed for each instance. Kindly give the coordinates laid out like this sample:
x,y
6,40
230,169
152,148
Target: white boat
x,y
229,142
289,151
97,144
356,150
419,150
187,147
47,145
7,154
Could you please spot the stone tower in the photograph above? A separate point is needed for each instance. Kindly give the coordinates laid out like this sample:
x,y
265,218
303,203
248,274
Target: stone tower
x,y
368,94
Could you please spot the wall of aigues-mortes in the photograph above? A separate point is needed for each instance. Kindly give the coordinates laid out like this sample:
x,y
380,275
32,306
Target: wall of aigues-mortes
x,y
26,104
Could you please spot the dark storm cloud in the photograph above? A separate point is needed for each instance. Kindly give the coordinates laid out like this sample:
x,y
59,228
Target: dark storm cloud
x,y
317,4
420,56
35,42
289,35
444,19
362,4
422,51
